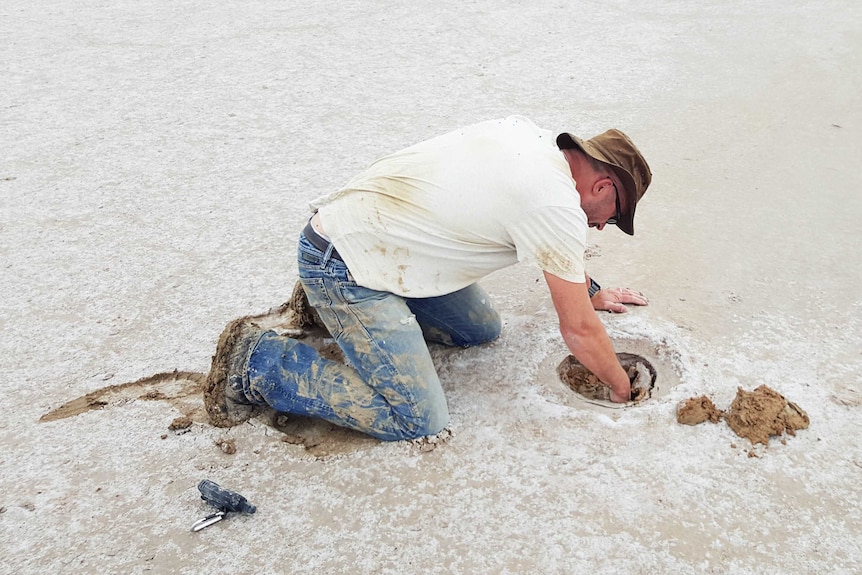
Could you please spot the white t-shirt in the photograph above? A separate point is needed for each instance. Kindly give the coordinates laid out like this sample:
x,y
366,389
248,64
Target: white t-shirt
x,y
442,214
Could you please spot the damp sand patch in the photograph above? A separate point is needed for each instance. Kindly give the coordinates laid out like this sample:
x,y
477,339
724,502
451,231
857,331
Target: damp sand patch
x,y
754,415
178,388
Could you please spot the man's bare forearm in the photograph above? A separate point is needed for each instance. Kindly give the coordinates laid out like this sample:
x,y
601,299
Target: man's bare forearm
x,y
586,337
591,346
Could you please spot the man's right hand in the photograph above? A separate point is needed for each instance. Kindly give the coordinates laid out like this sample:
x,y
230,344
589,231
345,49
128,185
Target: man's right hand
x,y
624,397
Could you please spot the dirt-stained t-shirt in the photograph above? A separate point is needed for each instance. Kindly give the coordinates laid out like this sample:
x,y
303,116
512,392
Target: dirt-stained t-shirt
x,y
442,214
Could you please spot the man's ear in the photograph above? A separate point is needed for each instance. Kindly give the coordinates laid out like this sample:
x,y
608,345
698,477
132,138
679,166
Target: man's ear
x,y
601,183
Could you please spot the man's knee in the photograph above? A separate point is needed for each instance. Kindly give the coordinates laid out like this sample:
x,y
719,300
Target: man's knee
x,y
430,424
431,419
484,327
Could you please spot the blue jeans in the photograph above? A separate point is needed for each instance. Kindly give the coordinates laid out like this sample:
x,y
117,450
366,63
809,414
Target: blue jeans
x,y
388,388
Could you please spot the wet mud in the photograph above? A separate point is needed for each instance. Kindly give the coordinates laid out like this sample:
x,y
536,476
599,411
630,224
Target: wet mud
x,y
172,387
759,414
319,439
641,372
696,410
754,415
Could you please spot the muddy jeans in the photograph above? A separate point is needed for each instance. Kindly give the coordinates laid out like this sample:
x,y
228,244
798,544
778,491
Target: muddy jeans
x,y
389,388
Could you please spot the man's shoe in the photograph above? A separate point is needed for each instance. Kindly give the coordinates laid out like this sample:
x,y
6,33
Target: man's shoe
x,y
224,398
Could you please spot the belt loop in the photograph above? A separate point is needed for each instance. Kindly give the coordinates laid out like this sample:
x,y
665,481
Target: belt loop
x,y
327,255
321,243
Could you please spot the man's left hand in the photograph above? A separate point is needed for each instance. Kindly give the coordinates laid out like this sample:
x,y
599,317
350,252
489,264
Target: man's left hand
x,y
615,299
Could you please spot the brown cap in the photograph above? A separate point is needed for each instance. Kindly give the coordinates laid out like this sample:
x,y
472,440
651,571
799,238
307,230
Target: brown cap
x,y
617,150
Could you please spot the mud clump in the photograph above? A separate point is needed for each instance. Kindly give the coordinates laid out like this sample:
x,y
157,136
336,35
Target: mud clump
x,y
180,423
697,410
227,446
755,415
303,314
761,413
587,385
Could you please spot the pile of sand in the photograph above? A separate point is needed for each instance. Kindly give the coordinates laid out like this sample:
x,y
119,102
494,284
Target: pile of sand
x,y
755,415
697,410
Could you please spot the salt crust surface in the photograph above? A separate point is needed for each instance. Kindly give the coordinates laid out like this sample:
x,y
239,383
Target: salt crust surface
x,y
157,158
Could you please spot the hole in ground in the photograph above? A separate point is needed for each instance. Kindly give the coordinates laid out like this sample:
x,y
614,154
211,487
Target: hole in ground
x,y
657,359
642,376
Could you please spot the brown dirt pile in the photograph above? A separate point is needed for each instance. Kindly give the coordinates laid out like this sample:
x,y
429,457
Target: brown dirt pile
x,y
763,412
179,423
755,415
697,410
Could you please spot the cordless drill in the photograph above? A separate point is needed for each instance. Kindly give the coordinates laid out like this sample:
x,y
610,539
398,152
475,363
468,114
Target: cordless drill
x,y
224,499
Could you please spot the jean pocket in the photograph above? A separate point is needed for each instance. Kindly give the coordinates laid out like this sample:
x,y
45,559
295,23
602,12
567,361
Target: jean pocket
x,y
318,295
315,291
351,292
